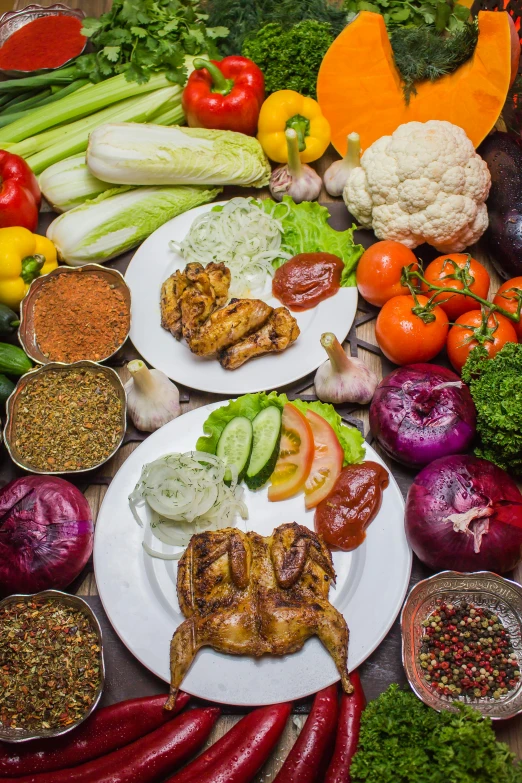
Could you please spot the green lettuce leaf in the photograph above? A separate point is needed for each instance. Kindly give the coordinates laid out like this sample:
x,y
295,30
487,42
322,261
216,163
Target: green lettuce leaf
x,y
306,230
351,440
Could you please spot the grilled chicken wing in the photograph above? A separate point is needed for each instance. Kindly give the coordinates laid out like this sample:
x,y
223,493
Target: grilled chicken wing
x,y
228,325
189,297
247,595
280,331
171,293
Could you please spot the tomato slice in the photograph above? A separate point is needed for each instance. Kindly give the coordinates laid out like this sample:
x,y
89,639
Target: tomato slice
x,y
327,462
296,454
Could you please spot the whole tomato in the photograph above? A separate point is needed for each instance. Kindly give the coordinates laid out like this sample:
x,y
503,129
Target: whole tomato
x,y
379,271
404,337
442,272
506,297
471,329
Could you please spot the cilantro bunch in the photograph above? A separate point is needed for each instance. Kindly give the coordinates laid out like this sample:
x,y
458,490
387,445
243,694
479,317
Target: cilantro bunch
x,y
404,741
141,37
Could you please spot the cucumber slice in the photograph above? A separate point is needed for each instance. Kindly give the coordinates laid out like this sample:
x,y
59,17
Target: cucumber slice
x,y
235,445
265,450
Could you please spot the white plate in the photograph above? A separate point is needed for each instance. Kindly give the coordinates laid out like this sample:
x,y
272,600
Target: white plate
x,y
138,592
153,262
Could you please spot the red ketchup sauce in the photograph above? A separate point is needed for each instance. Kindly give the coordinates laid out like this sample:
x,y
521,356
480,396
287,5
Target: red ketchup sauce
x,y
307,279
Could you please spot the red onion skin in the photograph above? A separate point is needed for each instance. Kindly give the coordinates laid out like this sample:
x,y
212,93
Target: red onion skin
x,y
46,534
453,485
416,423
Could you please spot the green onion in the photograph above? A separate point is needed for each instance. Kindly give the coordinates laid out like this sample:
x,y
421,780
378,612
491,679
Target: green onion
x,y
14,101
27,103
60,76
63,92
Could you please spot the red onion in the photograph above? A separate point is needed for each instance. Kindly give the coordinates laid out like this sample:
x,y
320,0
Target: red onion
x,y
46,534
422,412
465,514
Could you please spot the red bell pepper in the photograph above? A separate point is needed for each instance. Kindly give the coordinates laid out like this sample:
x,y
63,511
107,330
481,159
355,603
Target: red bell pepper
x,y
352,706
237,756
225,95
304,762
110,728
147,760
19,193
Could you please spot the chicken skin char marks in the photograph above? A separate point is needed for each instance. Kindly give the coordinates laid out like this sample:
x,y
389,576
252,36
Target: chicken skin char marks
x,y
194,306
244,594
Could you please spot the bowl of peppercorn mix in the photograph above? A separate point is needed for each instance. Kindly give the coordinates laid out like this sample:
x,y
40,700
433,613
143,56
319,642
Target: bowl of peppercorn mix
x,y
65,418
52,672
462,642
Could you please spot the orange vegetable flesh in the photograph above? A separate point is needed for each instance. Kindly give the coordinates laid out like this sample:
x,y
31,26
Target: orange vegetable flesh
x,y
360,90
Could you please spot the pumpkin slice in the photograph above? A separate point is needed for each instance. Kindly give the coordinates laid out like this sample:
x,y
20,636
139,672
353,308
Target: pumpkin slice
x,y
359,88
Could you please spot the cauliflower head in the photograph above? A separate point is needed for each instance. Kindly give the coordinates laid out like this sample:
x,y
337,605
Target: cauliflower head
x,y
424,183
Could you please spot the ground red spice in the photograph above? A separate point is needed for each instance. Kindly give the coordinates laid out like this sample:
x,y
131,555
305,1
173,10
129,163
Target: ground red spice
x,y
80,316
46,42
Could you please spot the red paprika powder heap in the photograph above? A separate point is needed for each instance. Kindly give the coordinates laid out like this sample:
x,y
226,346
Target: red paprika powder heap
x,y
47,42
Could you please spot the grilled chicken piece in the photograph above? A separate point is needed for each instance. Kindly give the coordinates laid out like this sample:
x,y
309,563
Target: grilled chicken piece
x,y
280,331
247,595
188,297
228,325
171,293
220,277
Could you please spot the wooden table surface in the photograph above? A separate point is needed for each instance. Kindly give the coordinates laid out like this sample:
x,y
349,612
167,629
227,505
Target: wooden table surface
x,y
510,732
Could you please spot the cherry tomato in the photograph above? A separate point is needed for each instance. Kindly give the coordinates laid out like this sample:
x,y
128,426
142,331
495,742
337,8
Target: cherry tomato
x,y
439,273
404,337
327,462
296,454
461,342
379,271
507,299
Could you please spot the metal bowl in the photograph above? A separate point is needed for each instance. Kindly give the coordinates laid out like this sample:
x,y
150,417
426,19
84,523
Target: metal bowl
x,y
26,331
24,735
14,399
11,21
484,589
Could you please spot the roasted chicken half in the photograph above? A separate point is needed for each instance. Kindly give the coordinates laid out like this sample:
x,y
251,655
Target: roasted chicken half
x,y
280,331
247,595
189,297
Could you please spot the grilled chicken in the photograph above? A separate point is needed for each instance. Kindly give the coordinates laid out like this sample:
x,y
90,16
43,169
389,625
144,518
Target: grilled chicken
x,y
247,595
170,303
280,331
228,325
189,297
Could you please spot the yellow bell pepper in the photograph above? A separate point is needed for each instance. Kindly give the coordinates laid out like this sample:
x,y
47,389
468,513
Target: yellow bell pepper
x,y
23,257
287,109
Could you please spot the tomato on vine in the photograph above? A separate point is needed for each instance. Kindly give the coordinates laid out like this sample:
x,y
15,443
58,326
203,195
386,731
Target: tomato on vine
x,y
379,271
407,331
453,271
491,331
507,297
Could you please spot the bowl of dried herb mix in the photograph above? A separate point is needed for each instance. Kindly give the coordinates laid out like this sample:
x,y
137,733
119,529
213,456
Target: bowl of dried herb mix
x,y
74,314
65,418
52,672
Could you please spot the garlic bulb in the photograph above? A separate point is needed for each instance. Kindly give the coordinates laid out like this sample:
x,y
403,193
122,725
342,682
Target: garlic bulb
x,y
152,399
294,178
343,378
336,175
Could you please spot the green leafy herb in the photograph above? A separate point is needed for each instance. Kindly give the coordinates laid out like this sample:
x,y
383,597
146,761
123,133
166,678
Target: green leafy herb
x,y
243,17
140,37
290,58
422,53
404,741
496,387
440,14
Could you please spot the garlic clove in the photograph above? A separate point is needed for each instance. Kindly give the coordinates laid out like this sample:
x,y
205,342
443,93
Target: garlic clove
x,y
336,175
343,378
152,399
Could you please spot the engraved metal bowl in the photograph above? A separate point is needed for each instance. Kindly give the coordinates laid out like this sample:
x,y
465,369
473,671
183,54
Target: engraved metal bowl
x,y
484,589
11,21
75,602
14,400
26,331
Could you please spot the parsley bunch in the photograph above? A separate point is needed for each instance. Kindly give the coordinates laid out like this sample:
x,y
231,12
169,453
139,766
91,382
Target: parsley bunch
x,y
404,741
141,37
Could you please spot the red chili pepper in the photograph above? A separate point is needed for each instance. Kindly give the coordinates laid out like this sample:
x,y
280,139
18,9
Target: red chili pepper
x,y
304,761
348,729
19,193
237,756
225,95
147,760
108,729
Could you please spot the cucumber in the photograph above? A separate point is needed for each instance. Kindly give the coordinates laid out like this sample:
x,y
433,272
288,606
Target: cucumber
x,y
6,388
265,450
235,445
13,360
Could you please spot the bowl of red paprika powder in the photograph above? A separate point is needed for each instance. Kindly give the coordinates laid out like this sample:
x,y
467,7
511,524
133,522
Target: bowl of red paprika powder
x,y
37,39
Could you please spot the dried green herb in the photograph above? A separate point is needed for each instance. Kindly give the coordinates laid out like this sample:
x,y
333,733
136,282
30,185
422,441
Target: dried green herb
x,y
49,665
